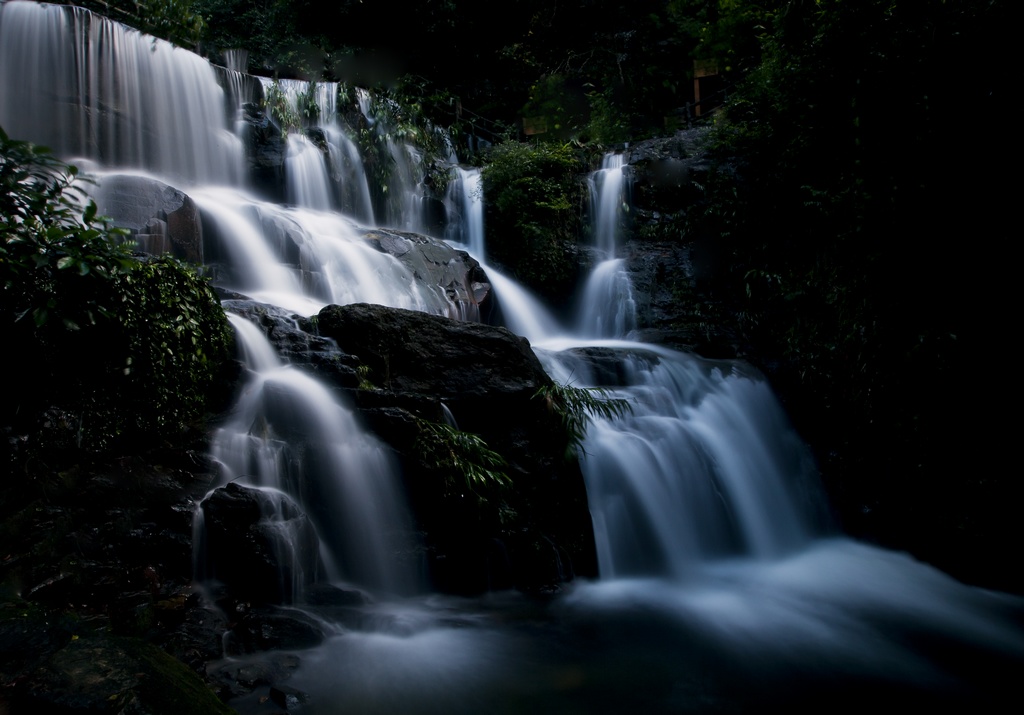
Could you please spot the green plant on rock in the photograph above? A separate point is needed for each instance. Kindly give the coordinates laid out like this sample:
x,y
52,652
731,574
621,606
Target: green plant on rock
x,y
534,196
114,345
466,461
281,109
363,371
54,249
309,107
577,406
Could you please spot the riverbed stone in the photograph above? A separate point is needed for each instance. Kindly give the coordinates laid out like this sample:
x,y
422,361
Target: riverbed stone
x,y
259,544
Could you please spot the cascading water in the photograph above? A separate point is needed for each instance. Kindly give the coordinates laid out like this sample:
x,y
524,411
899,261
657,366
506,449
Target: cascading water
x,y
607,198
341,477
607,308
719,591
307,175
465,195
349,176
113,95
703,467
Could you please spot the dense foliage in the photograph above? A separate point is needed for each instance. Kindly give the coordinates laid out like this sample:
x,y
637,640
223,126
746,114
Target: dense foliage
x,y
103,347
858,241
176,21
55,252
575,407
534,204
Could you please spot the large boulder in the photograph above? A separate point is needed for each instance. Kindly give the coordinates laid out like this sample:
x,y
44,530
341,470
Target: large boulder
x,y
160,218
532,535
463,282
462,363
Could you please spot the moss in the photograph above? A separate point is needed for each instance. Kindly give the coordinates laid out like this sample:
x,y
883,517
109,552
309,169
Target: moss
x,y
169,686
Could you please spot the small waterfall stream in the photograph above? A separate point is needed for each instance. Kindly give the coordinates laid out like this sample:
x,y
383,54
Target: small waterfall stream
x,y
722,588
607,308
341,476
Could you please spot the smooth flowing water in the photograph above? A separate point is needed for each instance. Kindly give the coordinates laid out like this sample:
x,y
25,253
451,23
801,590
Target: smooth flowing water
x,y
723,587
342,477
608,308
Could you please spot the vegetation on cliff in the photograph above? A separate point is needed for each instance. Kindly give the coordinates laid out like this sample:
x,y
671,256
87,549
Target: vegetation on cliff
x,y
535,200
109,348
846,237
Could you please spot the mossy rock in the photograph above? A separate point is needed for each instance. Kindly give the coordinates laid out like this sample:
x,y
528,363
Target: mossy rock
x,y
112,675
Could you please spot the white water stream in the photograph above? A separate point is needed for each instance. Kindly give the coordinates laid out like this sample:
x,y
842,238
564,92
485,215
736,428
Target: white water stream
x,y
721,588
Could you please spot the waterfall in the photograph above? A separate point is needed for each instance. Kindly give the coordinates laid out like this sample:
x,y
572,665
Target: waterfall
x,y
87,87
307,175
703,466
465,199
349,176
607,198
340,476
722,587
607,308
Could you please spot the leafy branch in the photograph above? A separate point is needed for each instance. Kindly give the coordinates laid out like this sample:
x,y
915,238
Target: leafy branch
x,y
577,406
464,458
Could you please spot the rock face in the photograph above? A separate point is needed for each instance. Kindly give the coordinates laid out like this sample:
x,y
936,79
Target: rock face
x,y
464,364
435,263
259,544
667,173
265,152
673,257
534,534
161,218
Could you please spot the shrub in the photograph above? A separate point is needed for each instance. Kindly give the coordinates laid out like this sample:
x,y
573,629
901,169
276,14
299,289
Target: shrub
x,y
533,201
119,347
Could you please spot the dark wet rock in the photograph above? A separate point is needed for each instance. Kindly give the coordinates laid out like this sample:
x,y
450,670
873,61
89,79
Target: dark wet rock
x,y
240,675
259,544
667,173
287,697
458,362
265,152
533,535
435,263
606,367
160,218
325,594
113,675
267,629
318,137
296,341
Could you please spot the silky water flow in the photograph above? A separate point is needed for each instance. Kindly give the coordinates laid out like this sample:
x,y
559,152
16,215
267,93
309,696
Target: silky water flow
x,y
723,587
